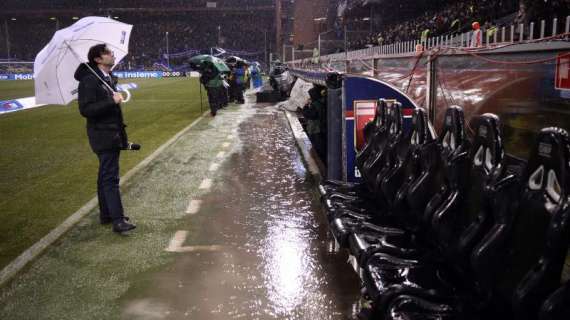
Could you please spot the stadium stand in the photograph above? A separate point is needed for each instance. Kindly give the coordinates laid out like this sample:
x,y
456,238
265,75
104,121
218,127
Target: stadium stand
x,y
370,23
191,26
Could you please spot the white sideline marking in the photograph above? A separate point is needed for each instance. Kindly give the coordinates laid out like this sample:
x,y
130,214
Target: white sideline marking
x,y
194,206
220,154
214,167
178,240
37,248
206,184
226,144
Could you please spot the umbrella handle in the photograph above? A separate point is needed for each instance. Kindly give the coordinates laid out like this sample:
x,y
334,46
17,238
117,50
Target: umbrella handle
x,y
128,95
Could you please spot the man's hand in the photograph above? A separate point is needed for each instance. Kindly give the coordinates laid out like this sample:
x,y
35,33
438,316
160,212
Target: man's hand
x,y
118,97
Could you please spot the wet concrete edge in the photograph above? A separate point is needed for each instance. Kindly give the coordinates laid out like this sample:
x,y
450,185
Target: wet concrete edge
x,y
33,252
314,164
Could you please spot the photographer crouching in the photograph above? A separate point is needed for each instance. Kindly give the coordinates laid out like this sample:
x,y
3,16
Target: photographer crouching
x,y
101,105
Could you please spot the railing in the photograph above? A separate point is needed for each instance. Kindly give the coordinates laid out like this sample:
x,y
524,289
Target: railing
x,y
513,34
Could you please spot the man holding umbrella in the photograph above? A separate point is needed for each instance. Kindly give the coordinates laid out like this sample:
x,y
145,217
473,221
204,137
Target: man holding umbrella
x,y
211,78
62,75
212,70
101,105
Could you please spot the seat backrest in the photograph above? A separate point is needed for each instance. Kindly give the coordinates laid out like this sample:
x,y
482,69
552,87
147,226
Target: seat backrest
x,y
422,129
377,123
557,306
451,160
428,176
522,256
453,139
396,149
406,170
374,162
375,131
465,215
396,127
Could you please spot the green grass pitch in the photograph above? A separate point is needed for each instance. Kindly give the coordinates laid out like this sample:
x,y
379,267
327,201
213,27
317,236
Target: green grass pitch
x,y
47,169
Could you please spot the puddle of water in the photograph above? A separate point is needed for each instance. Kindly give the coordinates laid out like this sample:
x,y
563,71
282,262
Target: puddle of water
x,y
275,263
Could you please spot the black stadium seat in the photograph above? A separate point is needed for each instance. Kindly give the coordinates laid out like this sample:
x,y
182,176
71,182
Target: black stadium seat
x,y
438,272
517,265
411,173
453,227
398,157
557,306
430,180
374,131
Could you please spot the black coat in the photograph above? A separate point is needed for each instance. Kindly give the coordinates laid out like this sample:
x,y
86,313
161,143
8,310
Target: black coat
x,y
105,127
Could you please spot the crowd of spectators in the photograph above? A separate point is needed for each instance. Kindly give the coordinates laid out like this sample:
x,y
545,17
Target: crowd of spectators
x,y
445,17
196,31
26,37
199,31
378,25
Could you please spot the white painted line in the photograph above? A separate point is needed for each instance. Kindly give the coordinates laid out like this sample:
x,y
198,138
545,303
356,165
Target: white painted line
x,y
214,167
231,136
212,248
194,206
37,248
220,155
177,241
206,184
226,145
176,244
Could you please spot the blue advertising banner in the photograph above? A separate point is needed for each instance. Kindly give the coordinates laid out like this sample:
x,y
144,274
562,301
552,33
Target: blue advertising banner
x,y
360,95
14,105
10,106
18,76
149,74
138,74
119,74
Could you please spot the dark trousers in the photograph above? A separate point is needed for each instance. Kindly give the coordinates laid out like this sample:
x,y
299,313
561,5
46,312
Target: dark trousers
x,y
232,92
214,98
224,95
110,206
240,88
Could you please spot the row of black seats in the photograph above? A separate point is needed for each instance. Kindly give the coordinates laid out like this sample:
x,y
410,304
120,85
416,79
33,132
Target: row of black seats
x,y
452,227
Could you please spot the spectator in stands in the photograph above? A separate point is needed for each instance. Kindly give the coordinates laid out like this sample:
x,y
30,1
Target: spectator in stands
x,y
477,38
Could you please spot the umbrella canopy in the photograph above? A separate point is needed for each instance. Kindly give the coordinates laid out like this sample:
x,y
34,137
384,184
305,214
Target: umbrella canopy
x,y
56,63
235,60
198,62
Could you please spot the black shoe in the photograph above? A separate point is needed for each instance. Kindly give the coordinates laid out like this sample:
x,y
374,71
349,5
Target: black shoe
x,y
123,226
213,113
105,220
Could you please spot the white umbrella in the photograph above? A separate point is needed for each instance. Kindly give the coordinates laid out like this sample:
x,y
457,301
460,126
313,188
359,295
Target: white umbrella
x,y
55,65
